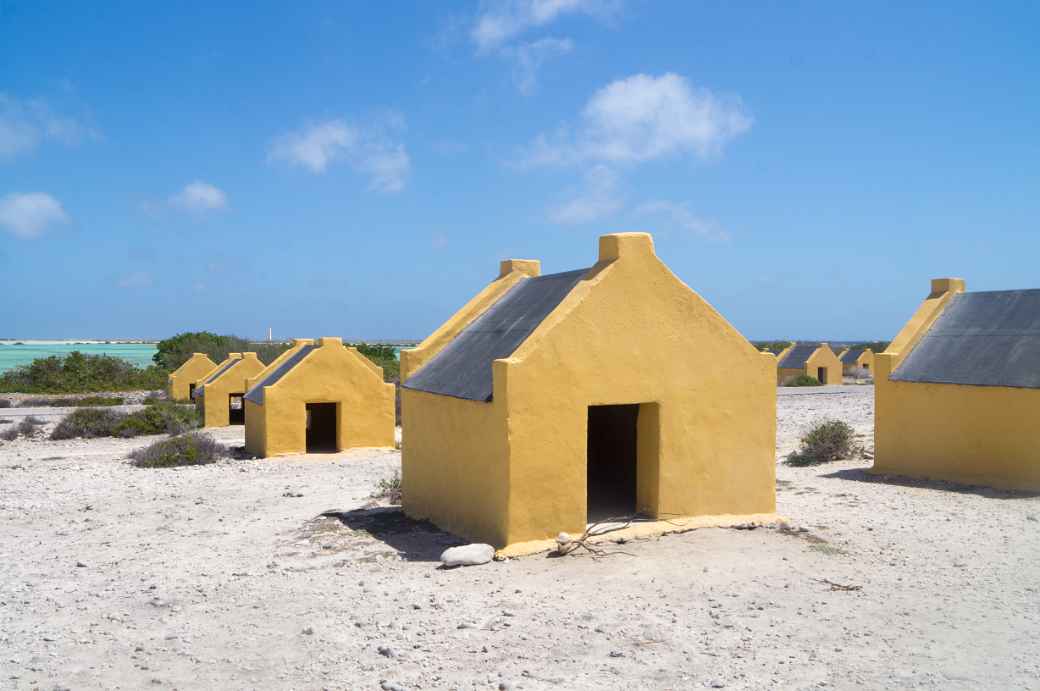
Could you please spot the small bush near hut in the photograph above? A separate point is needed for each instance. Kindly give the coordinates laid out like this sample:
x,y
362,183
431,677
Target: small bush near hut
x,y
160,418
828,441
185,449
803,380
5,403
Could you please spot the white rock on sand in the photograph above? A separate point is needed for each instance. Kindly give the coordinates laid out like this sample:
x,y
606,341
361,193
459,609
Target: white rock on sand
x,y
209,577
468,555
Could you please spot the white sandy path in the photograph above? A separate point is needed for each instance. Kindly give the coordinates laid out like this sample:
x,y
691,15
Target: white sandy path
x,y
211,577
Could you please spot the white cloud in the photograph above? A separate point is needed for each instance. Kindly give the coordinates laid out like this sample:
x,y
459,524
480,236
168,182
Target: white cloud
x,y
200,196
28,215
500,21
25,124
641,118
372,149
528,59
135,279
682,217
599,198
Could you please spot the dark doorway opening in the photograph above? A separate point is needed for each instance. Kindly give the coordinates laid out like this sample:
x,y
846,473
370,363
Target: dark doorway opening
x,y
821,374
236,409
612,453
191,392
321,428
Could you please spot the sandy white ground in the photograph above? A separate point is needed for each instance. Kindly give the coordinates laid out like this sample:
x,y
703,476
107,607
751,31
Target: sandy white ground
x,y
228,576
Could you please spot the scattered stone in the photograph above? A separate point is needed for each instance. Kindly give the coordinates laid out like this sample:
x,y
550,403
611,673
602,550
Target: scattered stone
x,y
467,555
616,653
292,495
386,651
390,686
309,631
80,565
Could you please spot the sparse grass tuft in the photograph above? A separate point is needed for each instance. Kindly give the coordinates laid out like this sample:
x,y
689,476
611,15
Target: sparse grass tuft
x,y
27,427
184,449
389,489
828,441
9,434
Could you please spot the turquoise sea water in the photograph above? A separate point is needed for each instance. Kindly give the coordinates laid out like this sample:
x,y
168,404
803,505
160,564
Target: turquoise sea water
x,y
12,355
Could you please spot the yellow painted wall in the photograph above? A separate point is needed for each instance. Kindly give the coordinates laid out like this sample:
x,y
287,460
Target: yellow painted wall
x,y
984,435
514,470
214,404
180,380
331,373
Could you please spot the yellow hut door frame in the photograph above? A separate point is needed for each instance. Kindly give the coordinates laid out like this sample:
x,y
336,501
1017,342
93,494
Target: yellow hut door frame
x,y
322,431
622,460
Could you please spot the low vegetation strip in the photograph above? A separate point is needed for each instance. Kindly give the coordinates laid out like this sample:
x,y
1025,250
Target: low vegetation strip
x,y
79,373
161,418
85,402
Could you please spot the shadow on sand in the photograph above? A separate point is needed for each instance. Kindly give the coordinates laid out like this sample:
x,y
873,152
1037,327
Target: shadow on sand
x,y
862,475
413,540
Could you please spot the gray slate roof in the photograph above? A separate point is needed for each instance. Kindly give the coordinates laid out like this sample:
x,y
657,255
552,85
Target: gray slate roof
x,y
200,390
256,394
463,368
981,339
798,356
851,355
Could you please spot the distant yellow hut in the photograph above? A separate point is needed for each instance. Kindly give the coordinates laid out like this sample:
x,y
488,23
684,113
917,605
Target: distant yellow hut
x,y
813,359
957,393
219,395
180,385
319,398
543,404
856,361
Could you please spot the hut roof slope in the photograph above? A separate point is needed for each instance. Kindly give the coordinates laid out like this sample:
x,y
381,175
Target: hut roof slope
x,y
256,394
850,356
463,368
981,339
798,356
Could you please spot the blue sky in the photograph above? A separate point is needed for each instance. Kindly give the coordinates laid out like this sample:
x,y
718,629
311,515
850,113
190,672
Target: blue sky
x,y
360,168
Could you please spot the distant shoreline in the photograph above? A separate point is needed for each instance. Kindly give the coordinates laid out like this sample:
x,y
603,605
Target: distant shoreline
x,y
75,341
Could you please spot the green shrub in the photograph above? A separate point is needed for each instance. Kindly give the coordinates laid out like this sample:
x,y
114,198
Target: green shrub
x,y
88,423
173,352
5,403
185,449
828,441
79,373
159,418
153,399
803,380
85,402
